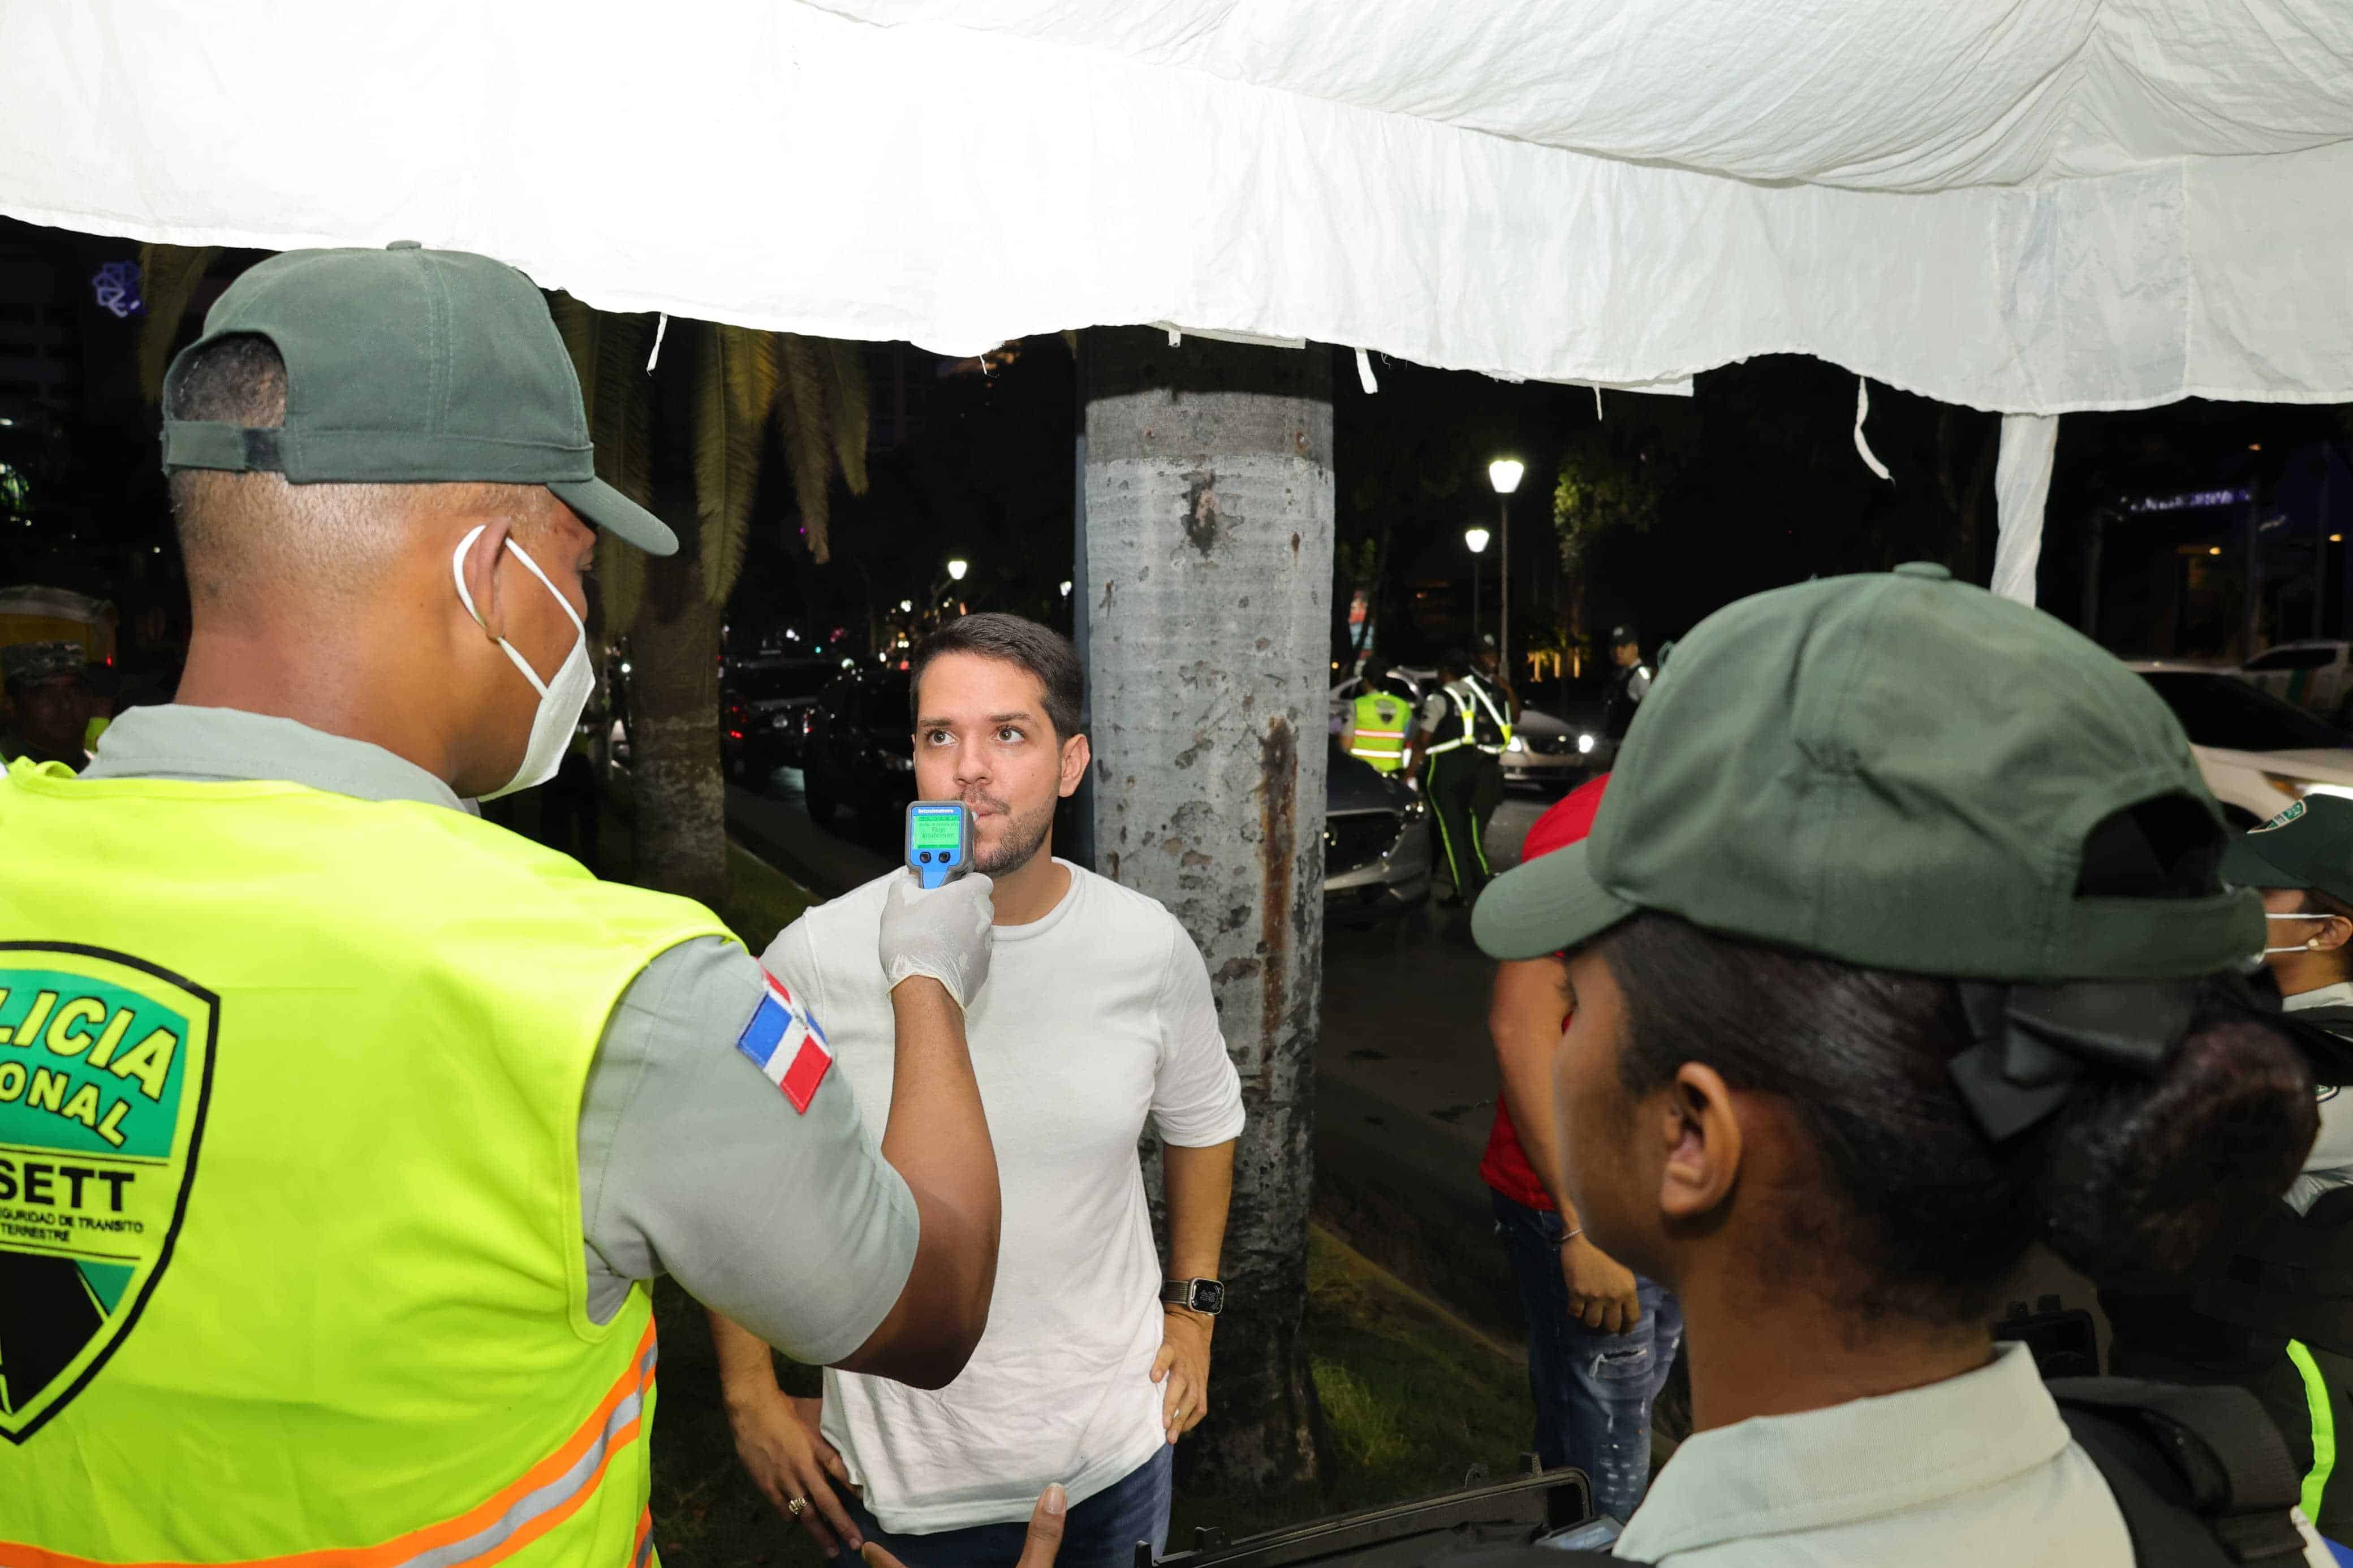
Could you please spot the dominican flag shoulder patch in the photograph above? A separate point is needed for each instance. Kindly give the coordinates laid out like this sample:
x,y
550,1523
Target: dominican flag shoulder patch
x,y
786,1044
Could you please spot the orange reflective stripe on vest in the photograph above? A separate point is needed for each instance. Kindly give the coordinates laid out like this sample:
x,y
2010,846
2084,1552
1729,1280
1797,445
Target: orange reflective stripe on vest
x,y
537,1501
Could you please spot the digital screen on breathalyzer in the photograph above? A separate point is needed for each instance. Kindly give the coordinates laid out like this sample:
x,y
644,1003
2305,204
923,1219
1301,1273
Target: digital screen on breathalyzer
x,y
937,830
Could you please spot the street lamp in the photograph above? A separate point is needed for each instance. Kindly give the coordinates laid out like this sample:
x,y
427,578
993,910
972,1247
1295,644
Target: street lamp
x,y
1505,473
1066,588
957,568
906,607
1474,538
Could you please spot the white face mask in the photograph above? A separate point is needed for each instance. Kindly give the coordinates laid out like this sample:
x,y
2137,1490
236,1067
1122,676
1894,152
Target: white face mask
x,y
2298,947
561,701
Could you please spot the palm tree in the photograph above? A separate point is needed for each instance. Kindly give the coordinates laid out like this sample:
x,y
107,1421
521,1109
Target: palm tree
x,y
690,445
168,278
1208,561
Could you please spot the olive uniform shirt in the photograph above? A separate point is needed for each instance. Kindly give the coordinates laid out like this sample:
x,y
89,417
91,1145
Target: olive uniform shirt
x,y
691,1162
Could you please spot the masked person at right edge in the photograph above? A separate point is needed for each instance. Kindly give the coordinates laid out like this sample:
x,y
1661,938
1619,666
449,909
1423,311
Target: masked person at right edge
x,y
2270,1318
1868,996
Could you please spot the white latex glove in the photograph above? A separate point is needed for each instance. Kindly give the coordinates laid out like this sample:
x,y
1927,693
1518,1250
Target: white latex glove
x,y
944,932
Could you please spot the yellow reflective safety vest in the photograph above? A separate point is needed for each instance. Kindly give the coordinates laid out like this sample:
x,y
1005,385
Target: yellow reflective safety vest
x,y
1378,727
1490,734
290,1252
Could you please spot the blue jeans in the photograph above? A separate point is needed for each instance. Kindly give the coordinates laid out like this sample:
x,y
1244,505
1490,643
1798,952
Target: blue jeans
x,y
1593,1391
1099,1532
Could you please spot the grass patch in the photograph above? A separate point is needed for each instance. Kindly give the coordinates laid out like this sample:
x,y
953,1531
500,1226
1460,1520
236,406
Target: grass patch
x,y
1414,1402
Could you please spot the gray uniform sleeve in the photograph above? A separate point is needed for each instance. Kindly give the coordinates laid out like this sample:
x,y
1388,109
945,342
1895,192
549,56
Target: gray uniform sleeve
x,y
693,1165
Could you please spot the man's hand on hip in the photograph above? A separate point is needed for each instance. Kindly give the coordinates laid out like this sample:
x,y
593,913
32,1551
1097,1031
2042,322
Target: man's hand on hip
x,y
1182,1370
944,932
1600,1289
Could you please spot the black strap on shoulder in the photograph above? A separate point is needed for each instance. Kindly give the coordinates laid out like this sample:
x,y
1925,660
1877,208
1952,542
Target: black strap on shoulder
x,y
2200,1473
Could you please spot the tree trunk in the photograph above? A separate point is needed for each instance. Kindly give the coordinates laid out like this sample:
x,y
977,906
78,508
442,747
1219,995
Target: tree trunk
x,y
682,803
1208,551
680,797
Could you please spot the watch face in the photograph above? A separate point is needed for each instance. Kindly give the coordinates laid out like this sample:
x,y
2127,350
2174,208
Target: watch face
x,y
1209,1296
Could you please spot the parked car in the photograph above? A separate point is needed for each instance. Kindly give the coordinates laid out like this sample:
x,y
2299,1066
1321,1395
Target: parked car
x,y
2256,752
1544,750
860,748
1548,750
2314,675
764,704
1376,843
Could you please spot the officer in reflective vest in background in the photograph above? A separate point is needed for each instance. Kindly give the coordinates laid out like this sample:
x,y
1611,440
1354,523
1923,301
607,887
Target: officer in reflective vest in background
x,y
1461,732
1495,708
1378,723
341,1130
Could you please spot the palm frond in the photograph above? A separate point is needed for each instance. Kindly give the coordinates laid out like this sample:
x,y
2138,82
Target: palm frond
x,y
168,276
577,325
608,357
808,441
845,387
735,387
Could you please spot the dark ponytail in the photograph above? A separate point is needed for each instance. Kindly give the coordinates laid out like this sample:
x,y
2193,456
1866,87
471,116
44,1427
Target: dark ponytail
x,y
2143,1177
1919,1215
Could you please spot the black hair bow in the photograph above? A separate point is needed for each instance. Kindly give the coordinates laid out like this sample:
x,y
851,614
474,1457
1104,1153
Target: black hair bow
x,y
2034,1043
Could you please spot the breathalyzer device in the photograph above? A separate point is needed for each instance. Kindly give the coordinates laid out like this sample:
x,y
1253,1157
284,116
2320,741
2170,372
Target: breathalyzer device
x,y
939,840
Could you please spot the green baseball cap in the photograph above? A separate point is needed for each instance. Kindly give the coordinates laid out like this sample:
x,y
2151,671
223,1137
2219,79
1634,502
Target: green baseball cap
x,y
2310,845
1900,771
408,366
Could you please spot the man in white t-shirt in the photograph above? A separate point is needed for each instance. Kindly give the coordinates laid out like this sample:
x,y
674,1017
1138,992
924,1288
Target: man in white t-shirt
x,y
1098,1012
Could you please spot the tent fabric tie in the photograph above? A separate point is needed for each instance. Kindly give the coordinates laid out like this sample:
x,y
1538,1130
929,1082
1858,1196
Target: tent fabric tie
x,y
2022,487
1863,447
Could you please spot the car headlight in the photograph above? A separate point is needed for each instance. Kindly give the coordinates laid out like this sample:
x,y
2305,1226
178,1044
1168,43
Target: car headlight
x,y
1584,746
1515,745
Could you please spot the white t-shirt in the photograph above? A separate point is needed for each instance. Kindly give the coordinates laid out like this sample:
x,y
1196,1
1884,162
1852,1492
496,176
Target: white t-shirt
x,y
1089,1018
2331,1163
1976,1470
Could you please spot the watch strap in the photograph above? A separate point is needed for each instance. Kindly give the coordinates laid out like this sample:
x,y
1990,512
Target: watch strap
x,y
1185,1293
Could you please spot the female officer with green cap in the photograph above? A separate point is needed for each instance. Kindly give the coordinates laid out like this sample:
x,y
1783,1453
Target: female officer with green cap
x,y
1898,947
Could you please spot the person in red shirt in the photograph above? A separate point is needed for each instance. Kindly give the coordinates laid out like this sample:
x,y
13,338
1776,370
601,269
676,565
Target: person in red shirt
x,y
1600,1339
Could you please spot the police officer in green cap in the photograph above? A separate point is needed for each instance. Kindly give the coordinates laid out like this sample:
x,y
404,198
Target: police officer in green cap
x,y
341,1130
1869,994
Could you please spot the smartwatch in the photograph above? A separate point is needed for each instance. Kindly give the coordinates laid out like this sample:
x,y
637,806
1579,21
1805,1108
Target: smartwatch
x,y
1206,1297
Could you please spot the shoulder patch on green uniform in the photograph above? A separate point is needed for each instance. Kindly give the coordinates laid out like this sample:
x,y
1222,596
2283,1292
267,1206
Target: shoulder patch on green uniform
x,y
105,1076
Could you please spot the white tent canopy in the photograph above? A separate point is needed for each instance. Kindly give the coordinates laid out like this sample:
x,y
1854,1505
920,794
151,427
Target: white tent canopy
x,y
2028,206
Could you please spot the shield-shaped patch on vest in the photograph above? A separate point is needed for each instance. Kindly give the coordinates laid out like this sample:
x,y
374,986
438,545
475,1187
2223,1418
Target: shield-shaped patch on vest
x,y
105,1072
